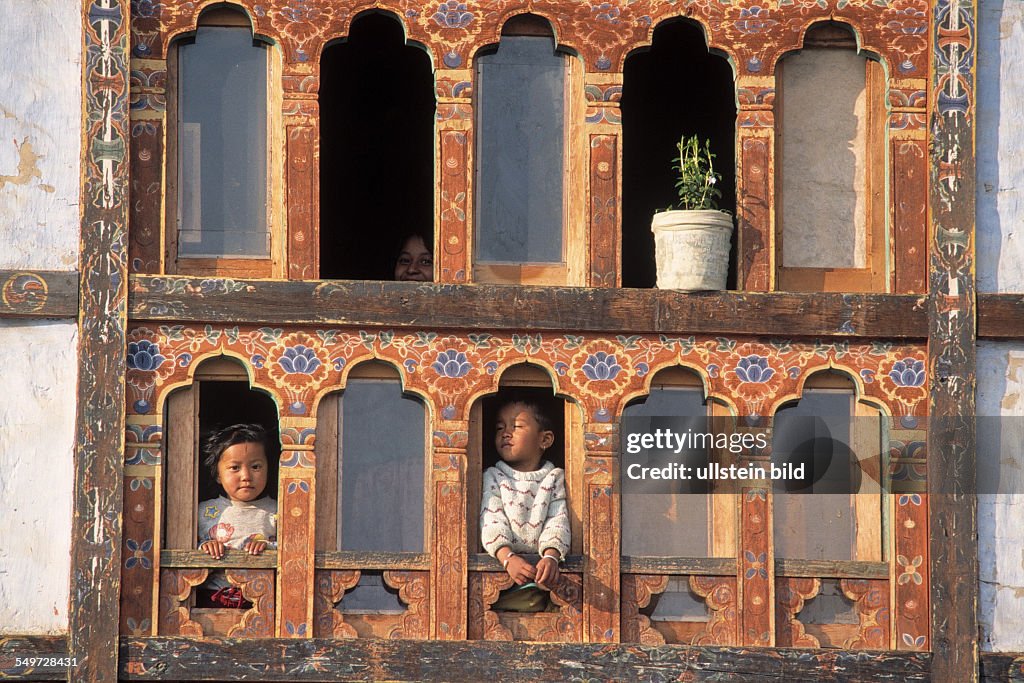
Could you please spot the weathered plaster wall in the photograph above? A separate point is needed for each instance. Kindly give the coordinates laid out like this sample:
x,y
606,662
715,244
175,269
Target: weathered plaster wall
x,y
1000,156
40,129
37,420
1001,516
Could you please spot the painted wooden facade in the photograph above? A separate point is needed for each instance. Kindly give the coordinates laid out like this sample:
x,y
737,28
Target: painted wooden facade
x,y
144,332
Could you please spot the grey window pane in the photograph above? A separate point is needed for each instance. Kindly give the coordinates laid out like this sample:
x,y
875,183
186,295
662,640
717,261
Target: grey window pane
x,y
222,145
815,524
662,524
521,141
381,472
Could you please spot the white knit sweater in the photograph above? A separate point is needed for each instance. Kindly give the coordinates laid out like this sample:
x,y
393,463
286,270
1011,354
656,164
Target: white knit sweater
x,y
524,510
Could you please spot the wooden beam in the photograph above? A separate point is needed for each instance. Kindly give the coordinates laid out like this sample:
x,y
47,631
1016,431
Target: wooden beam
x,y
373,561
636,311
1002,666
689,566
95,580
185,559
47,655
38,294
184,659
952,352
482,562
1001,316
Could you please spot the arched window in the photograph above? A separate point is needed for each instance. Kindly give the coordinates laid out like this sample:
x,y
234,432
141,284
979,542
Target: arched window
x,y
830,162
220,218
527,230
676,87
377,105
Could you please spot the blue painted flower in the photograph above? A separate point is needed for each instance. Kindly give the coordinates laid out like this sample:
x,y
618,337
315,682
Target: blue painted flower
x,y
907,373
754,19
607,12
299,359
601,366
144,355
451,363
452,14
138,553
754,368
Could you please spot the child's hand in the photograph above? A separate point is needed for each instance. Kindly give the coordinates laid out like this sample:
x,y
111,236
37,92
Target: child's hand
x,y
547,572
214,549
255,547
520,570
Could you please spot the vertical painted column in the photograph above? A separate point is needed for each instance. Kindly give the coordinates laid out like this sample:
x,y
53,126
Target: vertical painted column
x,y
141,531
601,529
908,567
95,580
756,560
604,134
301,83
296,528
449,566
952,332
148,109
755,182
453,172
908,183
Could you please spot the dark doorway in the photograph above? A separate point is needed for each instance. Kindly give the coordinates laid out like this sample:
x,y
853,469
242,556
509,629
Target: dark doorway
x,y
377,108
675,87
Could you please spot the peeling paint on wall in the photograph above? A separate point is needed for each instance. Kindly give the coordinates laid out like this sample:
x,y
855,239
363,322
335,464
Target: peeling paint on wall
x,y
1000,164
40,134
1001,516
38,364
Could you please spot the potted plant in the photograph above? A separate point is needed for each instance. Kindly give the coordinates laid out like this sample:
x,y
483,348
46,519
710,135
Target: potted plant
x,y
691,242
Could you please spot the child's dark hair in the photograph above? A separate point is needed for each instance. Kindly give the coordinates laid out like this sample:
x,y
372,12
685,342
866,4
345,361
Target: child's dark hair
x,y
545,423
224,438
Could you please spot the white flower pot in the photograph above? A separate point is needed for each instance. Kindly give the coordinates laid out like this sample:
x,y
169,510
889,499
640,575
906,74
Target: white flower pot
x,y
691,249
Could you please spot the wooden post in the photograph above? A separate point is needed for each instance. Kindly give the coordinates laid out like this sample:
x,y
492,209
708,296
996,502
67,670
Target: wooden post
x,y
449,576
95,581
453,231
908,183
952,512
601,541
148,119
755,183
302,169
604,133
296,528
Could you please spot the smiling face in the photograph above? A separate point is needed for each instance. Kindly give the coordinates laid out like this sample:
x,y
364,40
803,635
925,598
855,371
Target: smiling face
x,y
519,438
242,471
415,262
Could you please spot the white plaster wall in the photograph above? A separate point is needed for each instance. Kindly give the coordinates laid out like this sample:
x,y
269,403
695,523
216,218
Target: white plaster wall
x,y
40,130
38,380
1001,515
1000,146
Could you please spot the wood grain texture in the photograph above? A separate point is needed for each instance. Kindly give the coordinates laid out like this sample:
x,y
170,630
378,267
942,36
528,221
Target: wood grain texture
x,y
97,504
183,659
38,294
952,355
500,307
1001,316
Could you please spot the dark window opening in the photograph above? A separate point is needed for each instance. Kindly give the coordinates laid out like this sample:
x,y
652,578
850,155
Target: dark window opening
x,y
222,404
673,88
377,108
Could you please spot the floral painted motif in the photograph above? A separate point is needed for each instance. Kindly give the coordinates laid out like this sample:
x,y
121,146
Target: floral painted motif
x,y
601,369
452,14
299,359
451,363
750,376
909,570
144,355
138,552
601,366
299,363
907,373
754,19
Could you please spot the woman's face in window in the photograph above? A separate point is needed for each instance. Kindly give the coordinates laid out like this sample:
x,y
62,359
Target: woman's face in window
x,y
415,262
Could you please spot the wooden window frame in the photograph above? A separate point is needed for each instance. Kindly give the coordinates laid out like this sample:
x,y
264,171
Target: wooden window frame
x,y
723,512
574,268
274,266
328,498
532,376
870,511
875,275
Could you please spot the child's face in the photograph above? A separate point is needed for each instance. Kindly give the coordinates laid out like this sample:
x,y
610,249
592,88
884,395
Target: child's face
x,y
242,471
519,439
415,262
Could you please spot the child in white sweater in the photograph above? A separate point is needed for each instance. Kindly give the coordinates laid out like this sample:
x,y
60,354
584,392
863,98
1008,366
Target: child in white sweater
x,y
523,508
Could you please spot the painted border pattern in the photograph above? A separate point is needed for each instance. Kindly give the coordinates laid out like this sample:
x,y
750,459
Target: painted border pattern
x,y
97,505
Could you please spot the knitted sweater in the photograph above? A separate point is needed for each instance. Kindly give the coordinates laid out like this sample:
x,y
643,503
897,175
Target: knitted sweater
x,y
524,510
